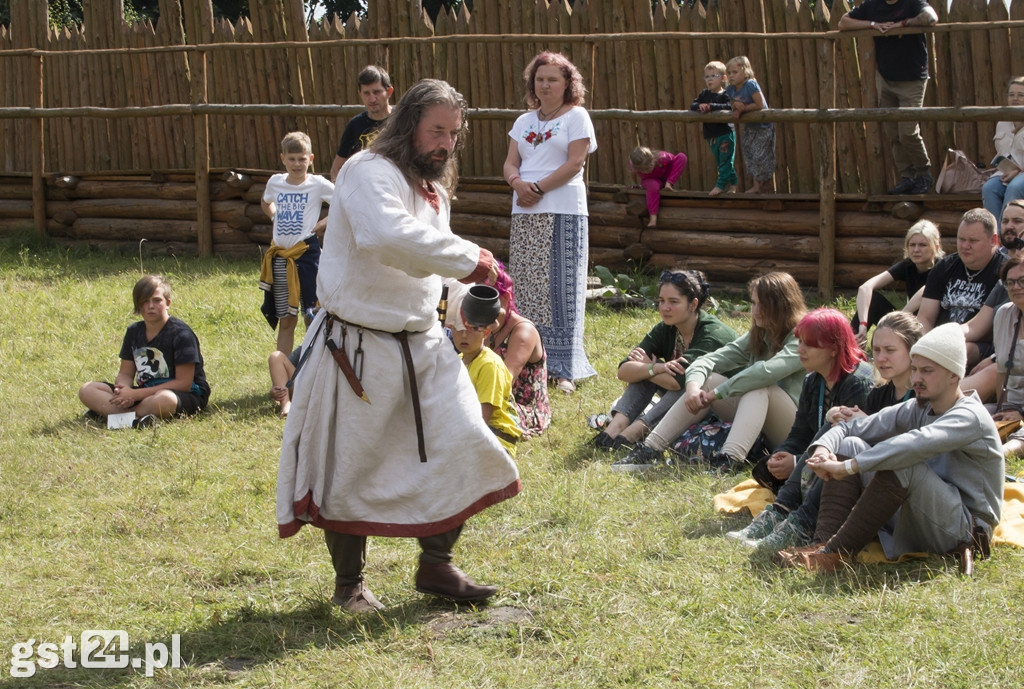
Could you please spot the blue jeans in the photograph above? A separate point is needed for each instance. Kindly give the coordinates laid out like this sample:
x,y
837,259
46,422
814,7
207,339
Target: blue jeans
x,y
995,195
636,398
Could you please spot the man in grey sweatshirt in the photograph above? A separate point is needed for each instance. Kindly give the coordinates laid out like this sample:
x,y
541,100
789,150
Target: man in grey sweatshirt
x,y
936,461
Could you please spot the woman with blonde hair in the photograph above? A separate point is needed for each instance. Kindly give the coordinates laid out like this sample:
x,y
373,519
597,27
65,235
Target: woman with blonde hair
x,y
922,247
754,381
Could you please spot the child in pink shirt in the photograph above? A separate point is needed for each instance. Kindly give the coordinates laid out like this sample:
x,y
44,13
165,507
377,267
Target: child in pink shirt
x,y
656,170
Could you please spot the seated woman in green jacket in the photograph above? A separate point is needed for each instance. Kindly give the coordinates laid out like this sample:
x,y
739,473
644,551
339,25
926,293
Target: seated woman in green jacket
x,y
658,364
761,396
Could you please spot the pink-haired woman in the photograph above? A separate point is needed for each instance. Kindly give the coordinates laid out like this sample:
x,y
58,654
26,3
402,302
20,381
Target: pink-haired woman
x,y
831,356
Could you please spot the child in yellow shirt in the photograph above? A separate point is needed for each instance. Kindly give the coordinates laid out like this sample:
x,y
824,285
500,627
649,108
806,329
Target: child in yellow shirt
x,y
476,318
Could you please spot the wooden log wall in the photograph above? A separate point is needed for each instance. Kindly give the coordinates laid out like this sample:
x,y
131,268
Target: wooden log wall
x,y
731,244
660,73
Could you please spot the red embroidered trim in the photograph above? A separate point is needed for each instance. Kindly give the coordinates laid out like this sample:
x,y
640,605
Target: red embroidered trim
x,y
307,506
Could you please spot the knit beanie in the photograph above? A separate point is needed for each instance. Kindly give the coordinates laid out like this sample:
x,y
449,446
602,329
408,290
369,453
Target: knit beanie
x,y
945,346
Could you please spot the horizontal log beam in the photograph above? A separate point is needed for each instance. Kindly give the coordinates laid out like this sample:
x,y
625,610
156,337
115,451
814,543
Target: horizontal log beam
x,y
711,244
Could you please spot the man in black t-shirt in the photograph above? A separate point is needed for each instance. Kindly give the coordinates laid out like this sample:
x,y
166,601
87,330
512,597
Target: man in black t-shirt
x,y
375,89
960,283
902,76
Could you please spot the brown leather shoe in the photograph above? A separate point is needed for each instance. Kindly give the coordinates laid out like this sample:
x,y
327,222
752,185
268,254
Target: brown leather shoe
x,y
356,598
448,581
788,557
821,562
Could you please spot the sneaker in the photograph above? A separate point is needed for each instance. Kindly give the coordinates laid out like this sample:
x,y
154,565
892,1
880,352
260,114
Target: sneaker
x,y
147,421
621,441
723,463
603,441
764,523
94,417
903,186
922,184
788,534
640,458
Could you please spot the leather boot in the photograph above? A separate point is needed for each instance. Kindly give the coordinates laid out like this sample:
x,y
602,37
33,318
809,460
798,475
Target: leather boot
x,y
823,561
447,581
789,556
356,598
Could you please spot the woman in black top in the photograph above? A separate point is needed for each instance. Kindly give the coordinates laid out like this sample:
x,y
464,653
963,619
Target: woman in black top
x,y
922,247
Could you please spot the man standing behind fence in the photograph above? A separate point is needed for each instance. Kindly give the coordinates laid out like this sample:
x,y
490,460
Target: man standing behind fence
x,y
375,90
901,80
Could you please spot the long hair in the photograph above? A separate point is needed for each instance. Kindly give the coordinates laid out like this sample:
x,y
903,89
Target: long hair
x,y
781,305
506,287
574,89
397,140
744,64
829,329
928,230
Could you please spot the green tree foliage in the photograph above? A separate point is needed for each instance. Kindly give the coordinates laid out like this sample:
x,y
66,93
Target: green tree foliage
x,y
342,8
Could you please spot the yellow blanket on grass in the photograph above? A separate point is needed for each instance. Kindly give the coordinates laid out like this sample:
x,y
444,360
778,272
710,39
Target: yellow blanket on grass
x,y
748,495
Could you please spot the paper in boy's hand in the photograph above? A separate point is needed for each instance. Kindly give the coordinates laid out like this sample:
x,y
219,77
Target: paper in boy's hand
x,y
120,420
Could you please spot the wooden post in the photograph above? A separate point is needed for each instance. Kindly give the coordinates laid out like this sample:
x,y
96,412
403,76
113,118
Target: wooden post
x,y
38,149
826,134
201,153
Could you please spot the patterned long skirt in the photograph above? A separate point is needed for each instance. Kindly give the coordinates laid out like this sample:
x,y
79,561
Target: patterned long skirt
x,y
759,151
548,261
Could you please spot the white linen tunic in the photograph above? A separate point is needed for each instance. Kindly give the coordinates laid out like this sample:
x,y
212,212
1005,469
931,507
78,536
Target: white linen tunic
x,y
354,467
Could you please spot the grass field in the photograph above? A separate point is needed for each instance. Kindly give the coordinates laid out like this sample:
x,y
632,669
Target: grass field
x,y
606,580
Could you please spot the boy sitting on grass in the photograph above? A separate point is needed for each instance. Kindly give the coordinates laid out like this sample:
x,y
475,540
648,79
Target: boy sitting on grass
x,y
490,376
161,372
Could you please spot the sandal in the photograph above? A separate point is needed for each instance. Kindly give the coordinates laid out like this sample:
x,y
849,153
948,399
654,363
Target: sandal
x,y
598,421
566,386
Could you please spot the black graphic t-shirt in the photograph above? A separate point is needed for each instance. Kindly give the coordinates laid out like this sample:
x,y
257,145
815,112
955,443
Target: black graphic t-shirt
x,y
359,134
961,294
155,359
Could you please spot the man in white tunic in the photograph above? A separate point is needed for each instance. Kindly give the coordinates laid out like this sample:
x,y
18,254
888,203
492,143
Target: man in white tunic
x,y
385,435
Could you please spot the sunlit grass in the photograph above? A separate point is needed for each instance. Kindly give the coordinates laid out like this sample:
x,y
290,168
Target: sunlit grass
x,y
606,580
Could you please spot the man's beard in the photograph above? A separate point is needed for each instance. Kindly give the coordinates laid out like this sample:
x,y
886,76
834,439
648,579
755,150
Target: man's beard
x,y
427,167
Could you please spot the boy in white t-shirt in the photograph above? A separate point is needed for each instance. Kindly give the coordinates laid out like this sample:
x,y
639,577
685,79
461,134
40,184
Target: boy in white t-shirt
x,y
288,274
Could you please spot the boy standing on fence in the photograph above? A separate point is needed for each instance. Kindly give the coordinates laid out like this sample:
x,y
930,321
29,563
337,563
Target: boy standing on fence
x,y
288,273
719,135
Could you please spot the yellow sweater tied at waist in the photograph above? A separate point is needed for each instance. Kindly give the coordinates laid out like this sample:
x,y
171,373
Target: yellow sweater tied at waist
x,y
267,272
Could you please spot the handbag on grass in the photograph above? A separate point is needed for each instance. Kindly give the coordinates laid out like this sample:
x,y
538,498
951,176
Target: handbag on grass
x,y
701,441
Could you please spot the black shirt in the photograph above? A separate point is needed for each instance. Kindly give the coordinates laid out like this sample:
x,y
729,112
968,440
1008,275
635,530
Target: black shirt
x,y
960,293
359,134
898,58
155,359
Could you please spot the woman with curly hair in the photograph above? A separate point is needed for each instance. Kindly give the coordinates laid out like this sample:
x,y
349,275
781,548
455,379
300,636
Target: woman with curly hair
x,y
548,246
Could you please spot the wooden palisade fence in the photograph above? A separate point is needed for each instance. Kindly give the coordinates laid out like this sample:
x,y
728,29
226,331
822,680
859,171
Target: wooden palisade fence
x,y
642,68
